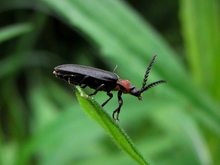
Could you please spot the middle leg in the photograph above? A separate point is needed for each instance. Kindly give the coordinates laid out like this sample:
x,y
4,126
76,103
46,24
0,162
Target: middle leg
x,y
97,89
110,97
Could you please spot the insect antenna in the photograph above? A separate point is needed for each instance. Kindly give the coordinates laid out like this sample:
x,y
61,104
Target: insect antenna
x,y
152,84
115,68
147,72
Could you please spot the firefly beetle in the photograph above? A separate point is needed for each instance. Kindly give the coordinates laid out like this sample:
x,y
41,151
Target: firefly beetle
x,y
102,80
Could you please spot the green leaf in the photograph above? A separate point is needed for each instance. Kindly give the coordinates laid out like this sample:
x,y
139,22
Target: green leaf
x,y
97,113
12,31
201,32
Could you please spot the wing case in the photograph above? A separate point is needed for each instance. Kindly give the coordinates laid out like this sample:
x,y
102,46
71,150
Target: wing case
x,y
87,71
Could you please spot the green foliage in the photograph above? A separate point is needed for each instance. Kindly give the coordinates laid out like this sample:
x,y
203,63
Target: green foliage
x,y
8,33
41,121
200,20
96,112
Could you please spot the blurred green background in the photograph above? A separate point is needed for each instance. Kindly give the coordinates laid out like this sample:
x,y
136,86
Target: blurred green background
x,y
41,121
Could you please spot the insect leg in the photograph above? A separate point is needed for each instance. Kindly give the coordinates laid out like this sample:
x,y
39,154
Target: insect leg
x,y
80,84
110,97
97,89
120,102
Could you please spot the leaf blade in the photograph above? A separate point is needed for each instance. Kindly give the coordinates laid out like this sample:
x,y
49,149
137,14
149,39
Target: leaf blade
x,y
96,112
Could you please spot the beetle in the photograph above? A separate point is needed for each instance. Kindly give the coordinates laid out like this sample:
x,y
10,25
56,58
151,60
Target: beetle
x,y
102,80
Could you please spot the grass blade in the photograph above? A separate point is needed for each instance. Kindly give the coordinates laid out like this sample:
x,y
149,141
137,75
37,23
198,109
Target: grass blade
x,y
200,25
96,112
12,31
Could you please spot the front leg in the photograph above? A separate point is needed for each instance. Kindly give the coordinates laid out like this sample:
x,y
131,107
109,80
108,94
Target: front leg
x,y
120,102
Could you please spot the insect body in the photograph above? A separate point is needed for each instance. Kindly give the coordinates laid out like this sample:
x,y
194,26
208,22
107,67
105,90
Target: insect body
x,y
102,80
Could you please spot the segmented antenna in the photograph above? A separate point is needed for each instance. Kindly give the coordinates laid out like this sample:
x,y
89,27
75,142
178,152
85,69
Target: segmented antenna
x,y
152,84
147,72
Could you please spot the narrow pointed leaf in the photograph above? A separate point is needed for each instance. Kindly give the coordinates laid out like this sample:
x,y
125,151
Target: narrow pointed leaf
x,y
97,113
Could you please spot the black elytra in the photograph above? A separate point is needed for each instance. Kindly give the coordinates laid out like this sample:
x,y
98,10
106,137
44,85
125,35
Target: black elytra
x,y
102,80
